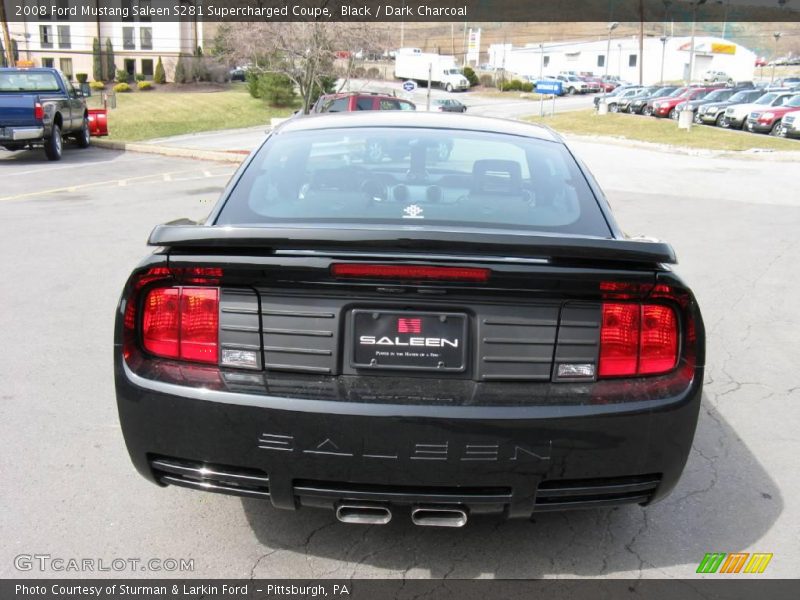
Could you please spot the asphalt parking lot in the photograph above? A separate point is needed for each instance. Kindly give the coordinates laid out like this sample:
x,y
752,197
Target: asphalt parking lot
x,y
71,231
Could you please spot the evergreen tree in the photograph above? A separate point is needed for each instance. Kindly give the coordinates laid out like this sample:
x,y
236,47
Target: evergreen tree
x,y
97,61
160,76
111,67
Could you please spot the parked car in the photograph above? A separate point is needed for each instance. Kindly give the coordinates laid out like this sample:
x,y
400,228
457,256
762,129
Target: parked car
x,y
594,83
790,125
713,113
39,108
353,101
638,103
736,115
717,77
667,107
787,82
719,95
616,102
573,84
761,61
768,120
492,384
448,105
624,102
614,93
648,108
238,74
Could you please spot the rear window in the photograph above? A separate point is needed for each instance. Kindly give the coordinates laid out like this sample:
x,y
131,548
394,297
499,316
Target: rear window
x,y
26,81
415,177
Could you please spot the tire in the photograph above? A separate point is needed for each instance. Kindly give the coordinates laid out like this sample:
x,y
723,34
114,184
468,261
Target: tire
x,y
54,145
571,91
84,136
698,120
719,119
449,87
776,129
613,107
647,111
673,114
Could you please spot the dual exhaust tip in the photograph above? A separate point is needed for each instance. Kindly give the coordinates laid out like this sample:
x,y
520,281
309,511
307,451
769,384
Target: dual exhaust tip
x,y
424,516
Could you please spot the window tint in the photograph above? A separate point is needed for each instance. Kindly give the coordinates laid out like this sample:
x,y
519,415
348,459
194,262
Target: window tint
x,y
415,176
27,81
337,105
365,104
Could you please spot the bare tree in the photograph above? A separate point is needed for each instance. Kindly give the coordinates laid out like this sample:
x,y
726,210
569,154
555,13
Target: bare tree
x,y
305,52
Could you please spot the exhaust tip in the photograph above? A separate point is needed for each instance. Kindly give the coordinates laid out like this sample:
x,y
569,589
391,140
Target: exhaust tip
x,y
363,514
433,516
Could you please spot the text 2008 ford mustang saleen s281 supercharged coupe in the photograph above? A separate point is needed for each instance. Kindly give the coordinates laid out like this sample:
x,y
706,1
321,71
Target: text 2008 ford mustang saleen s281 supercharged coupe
x,y
428,312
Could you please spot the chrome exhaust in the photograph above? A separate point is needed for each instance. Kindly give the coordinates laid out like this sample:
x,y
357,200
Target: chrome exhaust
x,y
438,516
364,514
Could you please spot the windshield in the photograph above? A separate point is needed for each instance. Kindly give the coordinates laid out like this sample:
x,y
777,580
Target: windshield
x,y
404,177
28,81
678,92
453,72
766,99
744,96
718,95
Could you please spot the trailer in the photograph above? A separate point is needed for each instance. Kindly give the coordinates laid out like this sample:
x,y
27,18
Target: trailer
x,y
412,63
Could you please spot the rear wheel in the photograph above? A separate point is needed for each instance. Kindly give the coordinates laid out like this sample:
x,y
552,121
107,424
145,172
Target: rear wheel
x,y
84,137
54,144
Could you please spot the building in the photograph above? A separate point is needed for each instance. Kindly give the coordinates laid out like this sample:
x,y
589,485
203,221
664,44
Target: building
x,y
66,41
622,58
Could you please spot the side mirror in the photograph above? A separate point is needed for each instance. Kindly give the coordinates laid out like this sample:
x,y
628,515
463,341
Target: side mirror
x,y
79,93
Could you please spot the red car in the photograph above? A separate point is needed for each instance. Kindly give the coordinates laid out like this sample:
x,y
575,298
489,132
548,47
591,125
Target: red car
x,y
353,101
768,120
665,107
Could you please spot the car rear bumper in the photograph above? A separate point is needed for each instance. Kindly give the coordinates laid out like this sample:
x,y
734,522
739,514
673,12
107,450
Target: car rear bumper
x,y
21,134
316,451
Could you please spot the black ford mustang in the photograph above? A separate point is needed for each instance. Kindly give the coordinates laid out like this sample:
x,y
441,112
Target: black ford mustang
x,y
459,328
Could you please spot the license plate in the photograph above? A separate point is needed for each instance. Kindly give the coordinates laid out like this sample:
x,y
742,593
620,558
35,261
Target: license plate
x,y
409,340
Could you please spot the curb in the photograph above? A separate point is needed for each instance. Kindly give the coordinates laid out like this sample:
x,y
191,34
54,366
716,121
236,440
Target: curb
x,y
233,156
752,154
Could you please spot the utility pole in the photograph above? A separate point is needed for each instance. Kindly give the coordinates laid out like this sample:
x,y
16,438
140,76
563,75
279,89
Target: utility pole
x,y
641,41
777,36
695,4
430,76
663,52
611,27
6,35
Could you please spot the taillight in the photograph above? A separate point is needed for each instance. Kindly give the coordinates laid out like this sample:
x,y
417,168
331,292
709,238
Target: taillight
x,y
637,339
38,111
410,272
183,323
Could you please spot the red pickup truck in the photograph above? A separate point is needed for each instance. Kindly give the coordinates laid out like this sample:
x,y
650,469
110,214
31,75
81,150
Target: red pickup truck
x,y
769,120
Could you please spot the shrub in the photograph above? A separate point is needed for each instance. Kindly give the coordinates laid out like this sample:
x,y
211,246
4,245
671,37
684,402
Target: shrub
x,y
121,88
526,86
122,76
97,62
144,86
110,66
515,85
252,79
181,71
82,77
199,69
277,89
97,85
139,77
469,73
487,81
160,76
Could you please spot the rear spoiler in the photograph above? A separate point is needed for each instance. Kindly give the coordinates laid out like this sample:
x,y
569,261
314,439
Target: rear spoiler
x,y
492,243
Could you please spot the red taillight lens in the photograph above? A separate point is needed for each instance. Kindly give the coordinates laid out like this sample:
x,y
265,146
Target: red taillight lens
x,y
659,346
38,111
637,339
160,322
619,340
199,339
182,322
410,272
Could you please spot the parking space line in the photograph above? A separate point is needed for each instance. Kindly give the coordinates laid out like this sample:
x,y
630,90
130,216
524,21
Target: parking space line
x,y
74,188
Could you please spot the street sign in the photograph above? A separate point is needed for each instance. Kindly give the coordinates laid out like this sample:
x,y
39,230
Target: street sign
x,y
409,86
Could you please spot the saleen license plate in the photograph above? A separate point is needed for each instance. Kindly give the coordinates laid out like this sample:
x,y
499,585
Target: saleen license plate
x,y
409,340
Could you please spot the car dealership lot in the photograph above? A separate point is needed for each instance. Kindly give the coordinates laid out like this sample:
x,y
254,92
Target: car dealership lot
x,y
71,232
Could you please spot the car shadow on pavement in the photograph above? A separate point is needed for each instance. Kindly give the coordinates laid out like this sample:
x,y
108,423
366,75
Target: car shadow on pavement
x,y
724,502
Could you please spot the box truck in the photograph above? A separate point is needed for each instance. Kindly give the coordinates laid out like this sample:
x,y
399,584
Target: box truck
x,y
412,63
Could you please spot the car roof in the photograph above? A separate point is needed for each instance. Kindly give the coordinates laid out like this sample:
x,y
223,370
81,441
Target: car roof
x,y
399,118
